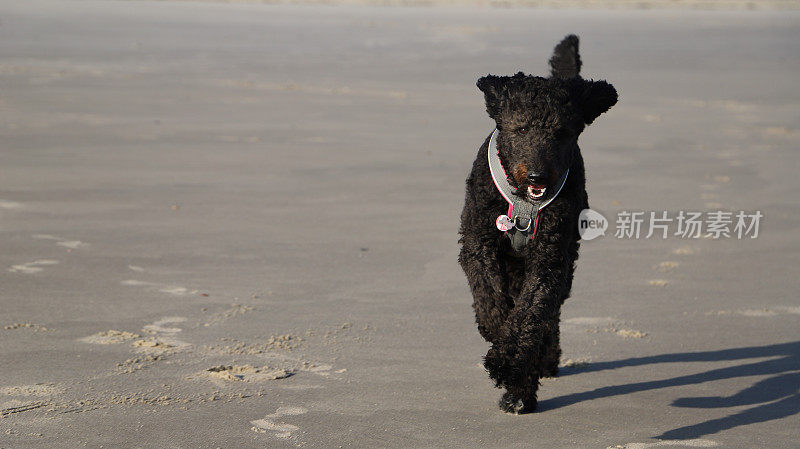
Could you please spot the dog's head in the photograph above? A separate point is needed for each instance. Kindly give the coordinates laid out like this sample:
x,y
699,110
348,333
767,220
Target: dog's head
x,y
539,119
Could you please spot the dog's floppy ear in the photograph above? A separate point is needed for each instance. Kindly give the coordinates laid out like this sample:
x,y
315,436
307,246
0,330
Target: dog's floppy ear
x,y
566,62
596,97
494,90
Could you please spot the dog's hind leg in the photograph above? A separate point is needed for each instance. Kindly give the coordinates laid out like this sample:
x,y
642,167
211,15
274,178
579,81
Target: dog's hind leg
x,y
552,347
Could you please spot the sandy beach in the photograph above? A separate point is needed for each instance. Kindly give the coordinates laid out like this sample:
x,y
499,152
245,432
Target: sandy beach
x,y
234,225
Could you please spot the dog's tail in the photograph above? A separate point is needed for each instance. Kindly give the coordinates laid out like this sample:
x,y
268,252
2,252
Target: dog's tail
x,y
566,62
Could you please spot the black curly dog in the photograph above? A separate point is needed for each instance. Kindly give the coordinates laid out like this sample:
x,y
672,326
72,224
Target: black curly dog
x,y
518,293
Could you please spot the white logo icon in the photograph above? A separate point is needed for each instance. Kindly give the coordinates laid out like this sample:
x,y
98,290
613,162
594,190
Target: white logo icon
x,y
591,224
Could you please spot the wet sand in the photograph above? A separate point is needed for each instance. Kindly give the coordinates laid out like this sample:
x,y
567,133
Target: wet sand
x,y
234,225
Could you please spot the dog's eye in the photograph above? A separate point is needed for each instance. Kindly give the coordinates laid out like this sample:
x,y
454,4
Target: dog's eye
x,y
522,131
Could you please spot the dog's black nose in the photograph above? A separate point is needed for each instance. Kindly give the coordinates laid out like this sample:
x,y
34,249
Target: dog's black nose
x,y
537,178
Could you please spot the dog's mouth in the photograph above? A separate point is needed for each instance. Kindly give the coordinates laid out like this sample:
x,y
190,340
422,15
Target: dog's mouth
x,y
536,191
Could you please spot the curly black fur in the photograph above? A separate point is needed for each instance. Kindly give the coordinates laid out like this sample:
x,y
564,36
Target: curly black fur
x,y
518,295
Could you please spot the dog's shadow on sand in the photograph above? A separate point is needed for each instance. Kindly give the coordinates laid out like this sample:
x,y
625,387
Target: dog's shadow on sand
x,y
773,398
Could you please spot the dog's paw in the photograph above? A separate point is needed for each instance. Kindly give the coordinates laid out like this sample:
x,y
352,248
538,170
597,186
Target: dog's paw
x,y
516,406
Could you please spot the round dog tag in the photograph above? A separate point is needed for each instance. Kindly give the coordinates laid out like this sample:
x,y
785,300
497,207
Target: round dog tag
x,y
504,223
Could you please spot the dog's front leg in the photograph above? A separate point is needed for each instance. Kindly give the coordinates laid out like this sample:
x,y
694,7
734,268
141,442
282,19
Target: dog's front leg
x,y
521,356
552,346
490,300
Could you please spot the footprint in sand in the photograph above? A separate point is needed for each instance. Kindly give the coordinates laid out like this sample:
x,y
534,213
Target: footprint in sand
x,y
610,325
158,326
619,332
589,320
279,429
246,373
32,267
320,369
234,311
66,243
625,333
155,337
683,251
765,312
722,179
162,337
155,341
658,282
163,288
667,266
9,204
588,323
575,363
